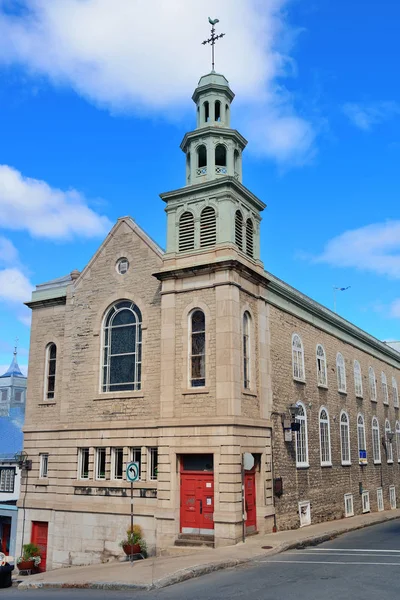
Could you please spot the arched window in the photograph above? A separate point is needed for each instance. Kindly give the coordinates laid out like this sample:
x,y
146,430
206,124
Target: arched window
x,y
217,110
301,437
357,379
197,373
395,393
186,232
249,238
227,115
324,438
51,365
321,366
345,438
341,373
236,165
397,430
246,350
122,341
208,227
362,446
239,229
372,384
202,157
389,444
376,441
206,107
298,358
384,388
220,157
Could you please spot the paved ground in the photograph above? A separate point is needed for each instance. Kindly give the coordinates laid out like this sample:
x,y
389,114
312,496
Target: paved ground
x,y
361,565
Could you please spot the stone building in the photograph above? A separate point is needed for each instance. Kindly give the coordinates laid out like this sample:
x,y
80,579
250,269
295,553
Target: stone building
x,y
187,360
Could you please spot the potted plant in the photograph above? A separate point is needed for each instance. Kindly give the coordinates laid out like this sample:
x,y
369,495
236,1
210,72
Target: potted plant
x,y
30,557
134,542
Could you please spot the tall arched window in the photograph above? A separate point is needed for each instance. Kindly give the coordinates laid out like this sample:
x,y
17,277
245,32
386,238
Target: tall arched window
x,y
236,165
357,379
321,366
197,373
249,238
246,350
301,437
362,445
298,358
122,341
395,393
397,430
51,365
372,384
376,441
206,107
220,158
345,438
208,227
239,229
389,444
217,108
324,438
202,158
384,388
186,232
341,373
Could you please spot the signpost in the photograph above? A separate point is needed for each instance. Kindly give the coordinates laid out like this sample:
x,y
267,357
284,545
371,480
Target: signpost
x,y
132,475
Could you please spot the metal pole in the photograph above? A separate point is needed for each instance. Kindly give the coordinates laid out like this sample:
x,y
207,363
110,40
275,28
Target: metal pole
x,y
243,505
212,46
131,557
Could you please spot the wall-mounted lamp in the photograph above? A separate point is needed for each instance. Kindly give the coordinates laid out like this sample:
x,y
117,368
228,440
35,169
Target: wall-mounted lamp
x,y
22,460
294,411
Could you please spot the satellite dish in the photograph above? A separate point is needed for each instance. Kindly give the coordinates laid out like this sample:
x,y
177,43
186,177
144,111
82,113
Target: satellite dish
x,y
248,461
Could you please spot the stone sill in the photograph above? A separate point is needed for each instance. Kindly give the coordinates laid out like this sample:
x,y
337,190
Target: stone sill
x,y
119,395
299,380
300,467
47,403
322,387
342,392
249,393
324,466
359,397
199,390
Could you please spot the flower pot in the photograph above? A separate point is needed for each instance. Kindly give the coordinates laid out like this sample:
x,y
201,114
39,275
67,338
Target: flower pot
x,y
131,549
26,565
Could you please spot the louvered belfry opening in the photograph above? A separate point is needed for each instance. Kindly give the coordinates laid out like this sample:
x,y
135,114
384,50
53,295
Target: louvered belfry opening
x,y
249,238
186,232
208,227
239,229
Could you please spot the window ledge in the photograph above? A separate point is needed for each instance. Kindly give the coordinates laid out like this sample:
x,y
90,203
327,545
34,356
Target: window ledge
x,y
322,386
47,403
119,395
297,380
360,396
374,400
323,465
363,464
385,403
249,393
199,390
389,462
346,464
304,466
377,462
344,392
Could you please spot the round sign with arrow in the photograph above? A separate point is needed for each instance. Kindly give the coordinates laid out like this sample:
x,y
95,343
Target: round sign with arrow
x,y
132,472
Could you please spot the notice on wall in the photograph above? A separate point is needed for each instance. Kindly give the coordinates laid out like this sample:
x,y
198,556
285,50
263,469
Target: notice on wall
x,y
208,484
209,501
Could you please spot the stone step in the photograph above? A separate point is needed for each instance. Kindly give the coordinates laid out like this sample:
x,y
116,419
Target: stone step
x,y
196,536
195,541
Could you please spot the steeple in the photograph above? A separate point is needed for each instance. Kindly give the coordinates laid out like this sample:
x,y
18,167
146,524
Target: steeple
x,y
13,370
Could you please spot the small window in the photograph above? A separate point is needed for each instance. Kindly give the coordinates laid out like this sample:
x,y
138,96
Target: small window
x,y
348,505
3,395
397,433
197,349
152,472
321,366
220,156
362,446
100,463
246,350
395,393
122,266
208,227
345,438
51,362
249,238
324,438
18,397
239,229
206,107
384,388
218,110
357,379
365,502
389,444
186,232
136,456
7,477
379,499
392,497
301,437
202,157
44,464
117,462
372,384
83,463
376,441
341,373
236,164
298,358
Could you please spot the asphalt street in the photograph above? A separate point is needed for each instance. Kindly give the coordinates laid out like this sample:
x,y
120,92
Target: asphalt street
x,y
361,565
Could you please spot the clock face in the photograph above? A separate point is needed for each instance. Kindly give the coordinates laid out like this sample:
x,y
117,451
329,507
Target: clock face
x,y
122,266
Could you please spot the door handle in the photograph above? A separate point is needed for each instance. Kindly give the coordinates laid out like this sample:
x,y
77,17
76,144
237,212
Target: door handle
x,y
201,507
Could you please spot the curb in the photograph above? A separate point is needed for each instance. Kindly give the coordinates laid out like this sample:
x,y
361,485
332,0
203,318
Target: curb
x,y
199,570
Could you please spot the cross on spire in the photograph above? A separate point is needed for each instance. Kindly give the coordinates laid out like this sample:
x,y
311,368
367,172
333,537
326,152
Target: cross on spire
x,y
211,40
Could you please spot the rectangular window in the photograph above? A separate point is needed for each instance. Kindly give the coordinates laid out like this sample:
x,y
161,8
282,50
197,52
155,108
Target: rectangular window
x,y
44,464
348,505
152,466
379,499
136,456
100,463
117,458
392,497
365,502
83,467
7,476
3,395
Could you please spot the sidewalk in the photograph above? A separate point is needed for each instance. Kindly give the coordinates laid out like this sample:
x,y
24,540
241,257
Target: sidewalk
x,y
157,572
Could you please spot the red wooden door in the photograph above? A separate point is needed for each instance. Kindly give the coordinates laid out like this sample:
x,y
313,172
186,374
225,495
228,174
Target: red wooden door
x,y
39,537
197,503
250,500
5,539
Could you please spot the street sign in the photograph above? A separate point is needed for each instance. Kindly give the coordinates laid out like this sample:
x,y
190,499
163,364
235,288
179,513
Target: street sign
x,y
248,461
132,471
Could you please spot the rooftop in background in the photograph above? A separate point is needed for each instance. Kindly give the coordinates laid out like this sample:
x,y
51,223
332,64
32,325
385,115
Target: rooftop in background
x,y
13,370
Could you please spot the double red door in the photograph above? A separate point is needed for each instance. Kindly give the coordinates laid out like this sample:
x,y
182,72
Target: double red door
x,y
39,538
250,500
197,503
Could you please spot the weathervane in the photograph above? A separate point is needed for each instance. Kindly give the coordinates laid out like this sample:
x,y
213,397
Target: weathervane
x,y
213,38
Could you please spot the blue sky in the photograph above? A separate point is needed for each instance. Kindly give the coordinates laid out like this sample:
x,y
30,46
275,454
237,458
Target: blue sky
x,y
95,98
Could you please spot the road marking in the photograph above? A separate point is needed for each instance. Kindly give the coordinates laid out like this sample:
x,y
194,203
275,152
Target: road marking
x,y
313,553
329,562
352,550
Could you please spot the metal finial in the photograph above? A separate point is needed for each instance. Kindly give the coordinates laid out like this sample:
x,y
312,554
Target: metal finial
x,y
16,346
211,40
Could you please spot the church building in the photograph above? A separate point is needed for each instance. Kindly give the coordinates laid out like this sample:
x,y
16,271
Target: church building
x,y
205,369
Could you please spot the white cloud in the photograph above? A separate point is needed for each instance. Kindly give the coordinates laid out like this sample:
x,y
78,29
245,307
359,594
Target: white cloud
x,y
364,116
8,252
15,287
32,205
374,248
145,57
